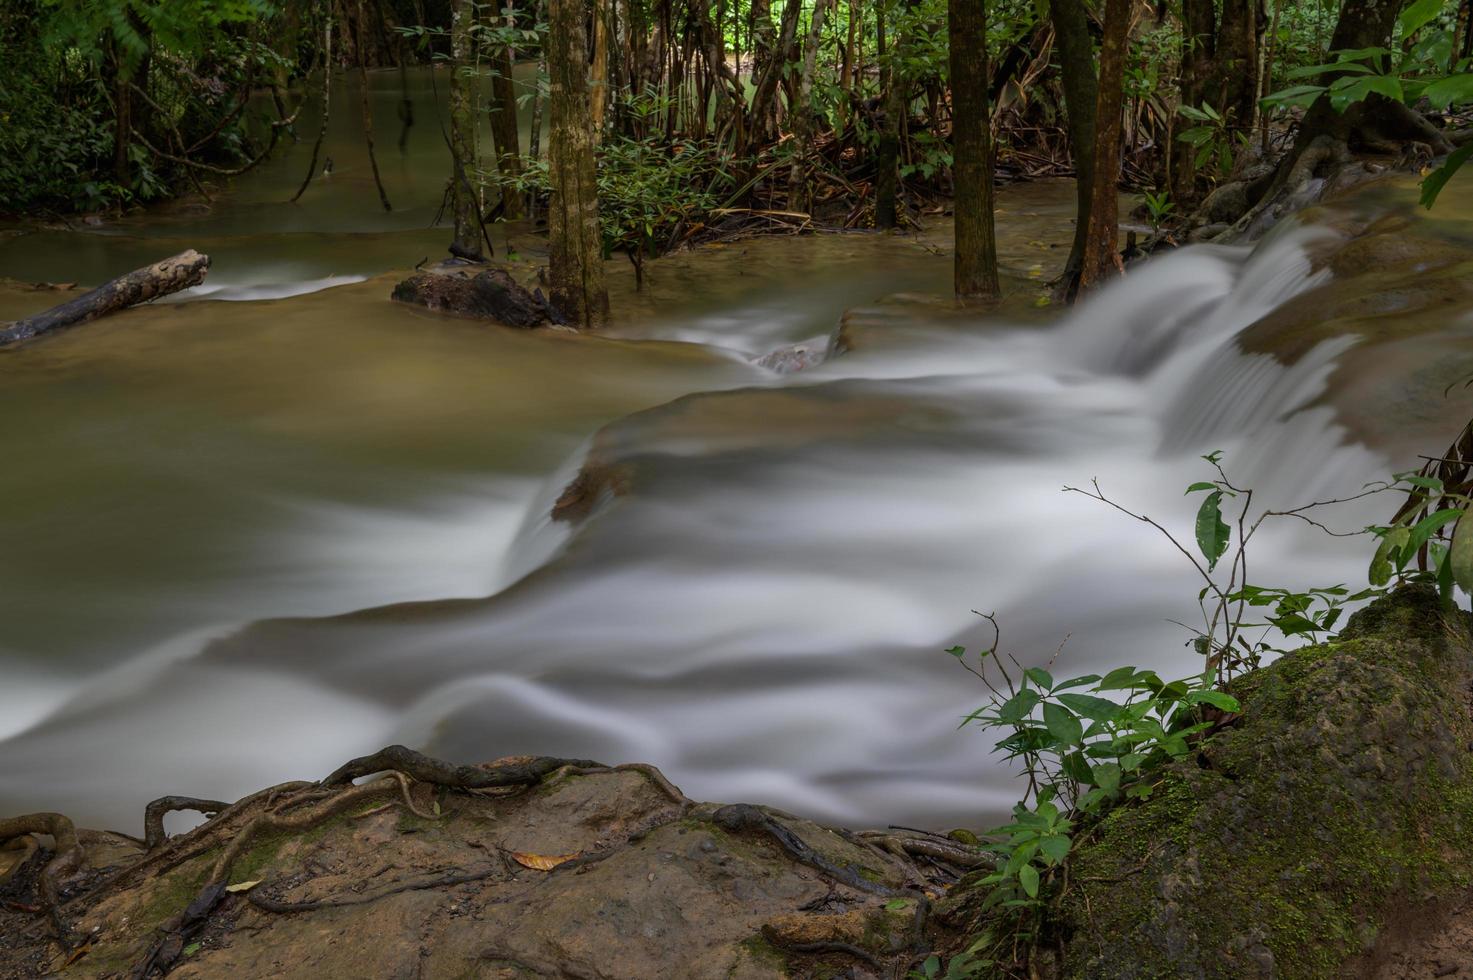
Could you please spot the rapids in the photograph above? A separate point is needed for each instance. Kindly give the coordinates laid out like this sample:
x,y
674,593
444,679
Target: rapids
x,y
244,541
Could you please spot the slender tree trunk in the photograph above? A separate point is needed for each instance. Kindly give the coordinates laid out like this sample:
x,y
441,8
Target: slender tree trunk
x,y
326,106
598,88
895,90
1198,52
1101,255
368,112
575,265
764,99
464,206
1266,77
976,245
1077,72
800,196
504,135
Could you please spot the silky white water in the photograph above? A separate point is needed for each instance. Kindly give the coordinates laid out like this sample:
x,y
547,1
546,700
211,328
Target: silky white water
x,y
292,551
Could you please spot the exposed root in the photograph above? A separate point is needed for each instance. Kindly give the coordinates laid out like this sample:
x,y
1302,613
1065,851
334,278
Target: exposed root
x,y
67,862
654,775
153,815
848,949
431,770
925,845
266,904
300,821
738,817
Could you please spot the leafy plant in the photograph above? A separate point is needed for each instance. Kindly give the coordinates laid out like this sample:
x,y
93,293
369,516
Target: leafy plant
x,y
1158,208
1213,137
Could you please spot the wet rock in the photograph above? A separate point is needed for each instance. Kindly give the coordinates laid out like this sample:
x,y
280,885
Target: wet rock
x,y
486,294
796,357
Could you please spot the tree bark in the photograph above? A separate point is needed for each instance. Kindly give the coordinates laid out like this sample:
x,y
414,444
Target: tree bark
x,y
1101,258
464,207
895,89
504,135
575,265
800,196
1076,69
1198,53
181,271
975,271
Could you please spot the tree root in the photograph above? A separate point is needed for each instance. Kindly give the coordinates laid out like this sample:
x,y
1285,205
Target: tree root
x,y
66,862
848,949
428,769
443,881
738,817
153,815
925,845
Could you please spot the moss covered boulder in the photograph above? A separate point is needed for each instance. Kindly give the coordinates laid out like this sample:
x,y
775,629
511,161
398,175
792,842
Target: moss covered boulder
x,y
1341,802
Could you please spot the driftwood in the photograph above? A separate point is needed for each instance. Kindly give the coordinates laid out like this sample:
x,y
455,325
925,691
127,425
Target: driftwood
x,y
181,271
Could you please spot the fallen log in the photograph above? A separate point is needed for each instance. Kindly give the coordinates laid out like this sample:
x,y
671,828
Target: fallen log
x,y
178,272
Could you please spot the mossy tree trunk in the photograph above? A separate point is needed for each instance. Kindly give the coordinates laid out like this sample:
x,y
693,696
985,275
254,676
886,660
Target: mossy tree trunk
x,y
975,272
575,265
895,89
1101,258
1198,50
463,203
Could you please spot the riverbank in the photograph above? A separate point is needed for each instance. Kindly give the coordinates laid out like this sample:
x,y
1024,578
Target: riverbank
x,y
1298,843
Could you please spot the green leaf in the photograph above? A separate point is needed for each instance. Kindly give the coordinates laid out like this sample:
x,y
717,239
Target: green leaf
x,y
1215,698
1200,486
1056,849
1300,95
1390,548
1062,724
1093,708
1448,91
896,904
1076,682
1460,555
1028,878
1018,707
1041,677
1212,532
1428,526
1417,15
1107,776
1434,182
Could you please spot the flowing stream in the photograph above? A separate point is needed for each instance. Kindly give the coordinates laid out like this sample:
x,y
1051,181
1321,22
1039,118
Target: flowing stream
x,y
244,541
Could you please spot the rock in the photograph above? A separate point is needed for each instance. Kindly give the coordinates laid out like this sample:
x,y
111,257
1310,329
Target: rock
x,y
487,294
797,357
645,884
1227,203
1341,797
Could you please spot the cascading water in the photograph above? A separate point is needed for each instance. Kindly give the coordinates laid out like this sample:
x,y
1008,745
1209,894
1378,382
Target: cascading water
x,y
761,610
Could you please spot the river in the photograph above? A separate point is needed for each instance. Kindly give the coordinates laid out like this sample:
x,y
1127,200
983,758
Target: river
x,y
280,521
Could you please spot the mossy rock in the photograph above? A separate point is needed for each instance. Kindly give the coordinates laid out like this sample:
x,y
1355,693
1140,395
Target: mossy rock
x,y
1342,797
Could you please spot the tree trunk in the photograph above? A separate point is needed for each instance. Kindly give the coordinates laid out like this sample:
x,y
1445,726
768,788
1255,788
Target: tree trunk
x,y
800,196
1198,52
504,135
464,206
975,273
181,271
1076,68
895,90
575,265
598,88
1101,258
368,112
764,99
1237,62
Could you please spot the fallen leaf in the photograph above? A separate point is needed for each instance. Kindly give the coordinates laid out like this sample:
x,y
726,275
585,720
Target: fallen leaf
x,y
541,862
242,886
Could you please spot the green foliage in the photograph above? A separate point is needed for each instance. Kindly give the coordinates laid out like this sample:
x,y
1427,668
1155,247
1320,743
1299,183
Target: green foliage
x,y
1158,208
649,189
1212,137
